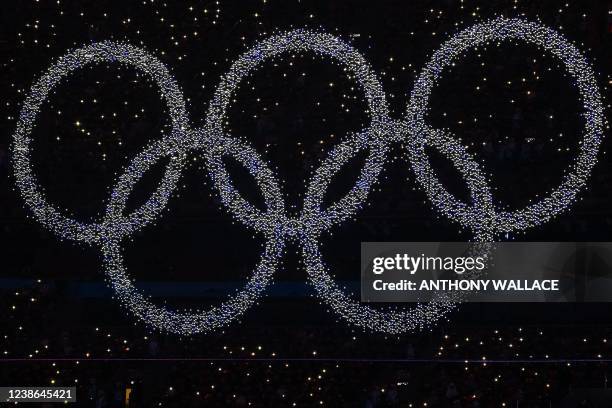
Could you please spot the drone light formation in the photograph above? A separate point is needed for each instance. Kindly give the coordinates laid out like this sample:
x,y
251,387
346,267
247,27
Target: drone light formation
x,y
481,216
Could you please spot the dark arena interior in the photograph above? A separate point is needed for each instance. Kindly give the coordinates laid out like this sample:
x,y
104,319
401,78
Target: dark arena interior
x,y
243,206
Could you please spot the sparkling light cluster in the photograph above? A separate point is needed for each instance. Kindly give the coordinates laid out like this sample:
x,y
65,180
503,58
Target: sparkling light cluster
x,y
212,142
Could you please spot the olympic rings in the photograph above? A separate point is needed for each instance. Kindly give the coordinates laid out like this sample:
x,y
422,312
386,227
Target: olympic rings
x,y
480,216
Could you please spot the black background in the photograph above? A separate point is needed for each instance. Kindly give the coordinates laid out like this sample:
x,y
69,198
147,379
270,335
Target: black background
x,y
524,141
198,241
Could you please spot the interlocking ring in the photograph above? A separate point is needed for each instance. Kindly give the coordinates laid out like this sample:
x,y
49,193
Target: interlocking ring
x,y
502,29
480,216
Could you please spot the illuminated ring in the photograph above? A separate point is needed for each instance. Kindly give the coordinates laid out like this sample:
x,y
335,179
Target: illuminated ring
x,y
190,322
26,181
393,320
547,39
355,63
162,317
